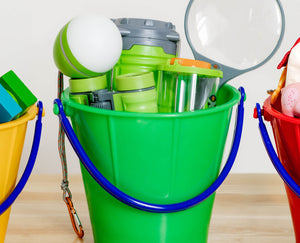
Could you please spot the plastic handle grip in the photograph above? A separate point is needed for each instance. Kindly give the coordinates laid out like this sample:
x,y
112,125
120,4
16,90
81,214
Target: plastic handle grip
x,y
31,161
273,156
133,202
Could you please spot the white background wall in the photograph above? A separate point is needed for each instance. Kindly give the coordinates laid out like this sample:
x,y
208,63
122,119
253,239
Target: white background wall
x,y
28,29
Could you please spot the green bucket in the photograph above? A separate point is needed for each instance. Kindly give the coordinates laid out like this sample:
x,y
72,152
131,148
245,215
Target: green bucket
x,y
157,158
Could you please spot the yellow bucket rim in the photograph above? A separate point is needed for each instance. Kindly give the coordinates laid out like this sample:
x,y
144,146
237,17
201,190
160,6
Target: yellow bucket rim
x,y
29,115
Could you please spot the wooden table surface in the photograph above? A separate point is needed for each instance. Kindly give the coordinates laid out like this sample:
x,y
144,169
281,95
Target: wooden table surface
x,y
248,208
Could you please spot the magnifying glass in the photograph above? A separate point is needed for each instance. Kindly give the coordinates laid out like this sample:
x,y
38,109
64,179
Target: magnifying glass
x,y
235,36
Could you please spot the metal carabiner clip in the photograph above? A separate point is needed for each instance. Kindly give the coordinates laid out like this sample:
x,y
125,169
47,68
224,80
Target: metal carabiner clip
x,y
74,217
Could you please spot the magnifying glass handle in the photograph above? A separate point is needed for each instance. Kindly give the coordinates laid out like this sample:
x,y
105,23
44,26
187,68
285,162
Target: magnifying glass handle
x,y
228,72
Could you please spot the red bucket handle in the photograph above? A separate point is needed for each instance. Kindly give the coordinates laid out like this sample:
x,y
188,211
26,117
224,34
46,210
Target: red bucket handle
x,y
289,181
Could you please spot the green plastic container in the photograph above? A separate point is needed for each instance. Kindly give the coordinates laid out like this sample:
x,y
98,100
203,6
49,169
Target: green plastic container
x,y
141,59
187,85
158,158
146,43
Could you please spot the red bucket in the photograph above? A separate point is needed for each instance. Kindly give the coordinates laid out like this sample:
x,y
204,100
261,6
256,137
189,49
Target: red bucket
x,y
286,131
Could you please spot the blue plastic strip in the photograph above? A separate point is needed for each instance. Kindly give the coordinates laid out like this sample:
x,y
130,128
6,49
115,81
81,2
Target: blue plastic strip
x,y
133,202
273,156
31,161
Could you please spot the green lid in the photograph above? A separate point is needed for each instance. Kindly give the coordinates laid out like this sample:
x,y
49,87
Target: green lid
x,y
135,81
177,67
13,84
88,84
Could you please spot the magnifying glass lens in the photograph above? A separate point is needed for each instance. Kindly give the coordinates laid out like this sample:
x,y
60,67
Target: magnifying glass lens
x,y
236,33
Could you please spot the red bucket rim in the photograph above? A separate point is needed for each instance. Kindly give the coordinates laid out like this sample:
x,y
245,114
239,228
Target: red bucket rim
x,y
270,111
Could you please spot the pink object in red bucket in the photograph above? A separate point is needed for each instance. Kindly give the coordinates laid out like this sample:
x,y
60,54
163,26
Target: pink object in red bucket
x,y
290,100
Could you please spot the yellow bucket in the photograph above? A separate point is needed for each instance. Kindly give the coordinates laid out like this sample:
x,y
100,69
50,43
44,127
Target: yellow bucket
x,y
12,135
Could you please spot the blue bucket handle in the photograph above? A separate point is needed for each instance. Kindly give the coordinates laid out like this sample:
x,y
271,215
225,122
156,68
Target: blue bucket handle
x,y
141,205
31,161
289,181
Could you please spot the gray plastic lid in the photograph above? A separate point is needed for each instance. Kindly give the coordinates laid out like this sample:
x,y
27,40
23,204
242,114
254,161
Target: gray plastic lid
x,y
148,32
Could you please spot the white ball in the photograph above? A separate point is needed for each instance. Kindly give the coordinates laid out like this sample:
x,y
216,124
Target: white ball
x,y
95,41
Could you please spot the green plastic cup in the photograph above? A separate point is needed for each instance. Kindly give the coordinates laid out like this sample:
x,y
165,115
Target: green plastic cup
x,y
158,158
81,88
136,93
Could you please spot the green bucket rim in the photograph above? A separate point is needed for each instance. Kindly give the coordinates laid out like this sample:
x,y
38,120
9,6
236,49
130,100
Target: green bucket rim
x,y
67,102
